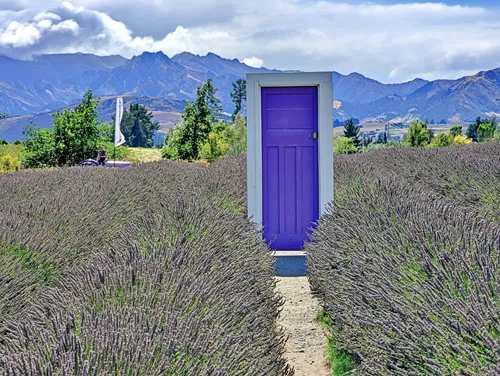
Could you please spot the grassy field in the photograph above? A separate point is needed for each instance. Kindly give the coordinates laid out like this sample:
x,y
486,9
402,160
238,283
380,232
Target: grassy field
x,y
10,157
141,155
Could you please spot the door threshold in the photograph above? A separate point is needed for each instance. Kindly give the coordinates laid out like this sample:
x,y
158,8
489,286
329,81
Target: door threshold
x,y
290,263
288,253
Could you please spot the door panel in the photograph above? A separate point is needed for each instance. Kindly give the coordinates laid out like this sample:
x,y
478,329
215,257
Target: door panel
x,y
290,165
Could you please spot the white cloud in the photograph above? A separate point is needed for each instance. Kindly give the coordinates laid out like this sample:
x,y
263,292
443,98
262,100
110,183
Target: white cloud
x,y
66,25
183,39
27,34
46,16
19,35
72,8
387,42
254,62
44,24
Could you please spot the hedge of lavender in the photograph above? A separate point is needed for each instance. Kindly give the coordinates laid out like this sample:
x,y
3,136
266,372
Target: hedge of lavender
x,y
465,176
150,270
406,262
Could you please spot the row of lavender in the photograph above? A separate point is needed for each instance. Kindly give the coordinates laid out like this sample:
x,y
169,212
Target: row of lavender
x,y
146,271
407,261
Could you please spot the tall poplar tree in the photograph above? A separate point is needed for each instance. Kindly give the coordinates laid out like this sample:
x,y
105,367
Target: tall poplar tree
x,y
238,96
138,127
185,140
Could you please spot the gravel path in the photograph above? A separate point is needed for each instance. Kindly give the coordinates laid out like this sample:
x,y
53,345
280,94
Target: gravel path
x,y
306,349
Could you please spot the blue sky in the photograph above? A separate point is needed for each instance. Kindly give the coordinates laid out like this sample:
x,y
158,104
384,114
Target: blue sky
x,y
388,40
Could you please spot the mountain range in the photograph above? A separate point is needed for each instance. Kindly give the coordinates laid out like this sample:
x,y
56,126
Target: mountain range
x,y
33,90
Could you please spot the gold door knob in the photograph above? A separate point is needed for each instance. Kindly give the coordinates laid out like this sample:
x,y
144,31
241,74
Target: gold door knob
x,y
315,135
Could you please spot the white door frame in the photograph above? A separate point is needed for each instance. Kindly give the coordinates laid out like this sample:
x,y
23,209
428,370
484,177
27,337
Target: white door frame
x,y
254,83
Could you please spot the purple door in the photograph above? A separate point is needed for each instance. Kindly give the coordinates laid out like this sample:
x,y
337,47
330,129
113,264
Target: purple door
x,y
290,165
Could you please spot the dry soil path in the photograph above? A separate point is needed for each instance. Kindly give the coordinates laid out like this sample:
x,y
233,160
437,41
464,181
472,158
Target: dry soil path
x,y
306,349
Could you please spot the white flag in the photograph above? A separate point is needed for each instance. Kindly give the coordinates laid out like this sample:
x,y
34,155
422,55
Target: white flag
x,y
119,137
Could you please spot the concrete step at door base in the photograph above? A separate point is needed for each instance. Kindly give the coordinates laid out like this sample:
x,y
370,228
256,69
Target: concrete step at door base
x,y
290,263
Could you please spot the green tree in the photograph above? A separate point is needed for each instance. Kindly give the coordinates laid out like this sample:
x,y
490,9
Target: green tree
x,y
456,130
482,129
215,146
185,140
442,139
418,134
238,96
39,146
377,146
199,117
432,134
472,129
351,130
209,94
486,129
173,148
238,136
75,136
197,127
77,133
381,138
138,127
344,145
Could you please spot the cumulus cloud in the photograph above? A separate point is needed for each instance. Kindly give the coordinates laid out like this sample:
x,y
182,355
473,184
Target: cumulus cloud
x,y
254,62
390,43
44,16
18,35
25,37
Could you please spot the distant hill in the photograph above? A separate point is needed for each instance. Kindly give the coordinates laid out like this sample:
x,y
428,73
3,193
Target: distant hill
x,y
453,101
69,66
215,64
167,112
359,89
51,82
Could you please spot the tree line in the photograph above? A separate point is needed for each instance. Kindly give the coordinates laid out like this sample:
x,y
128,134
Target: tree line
x,y
77,133
202,134
419,135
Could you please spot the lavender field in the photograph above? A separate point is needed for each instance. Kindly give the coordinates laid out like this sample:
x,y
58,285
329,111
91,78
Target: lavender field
x,y
150,270
155,270
407,261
